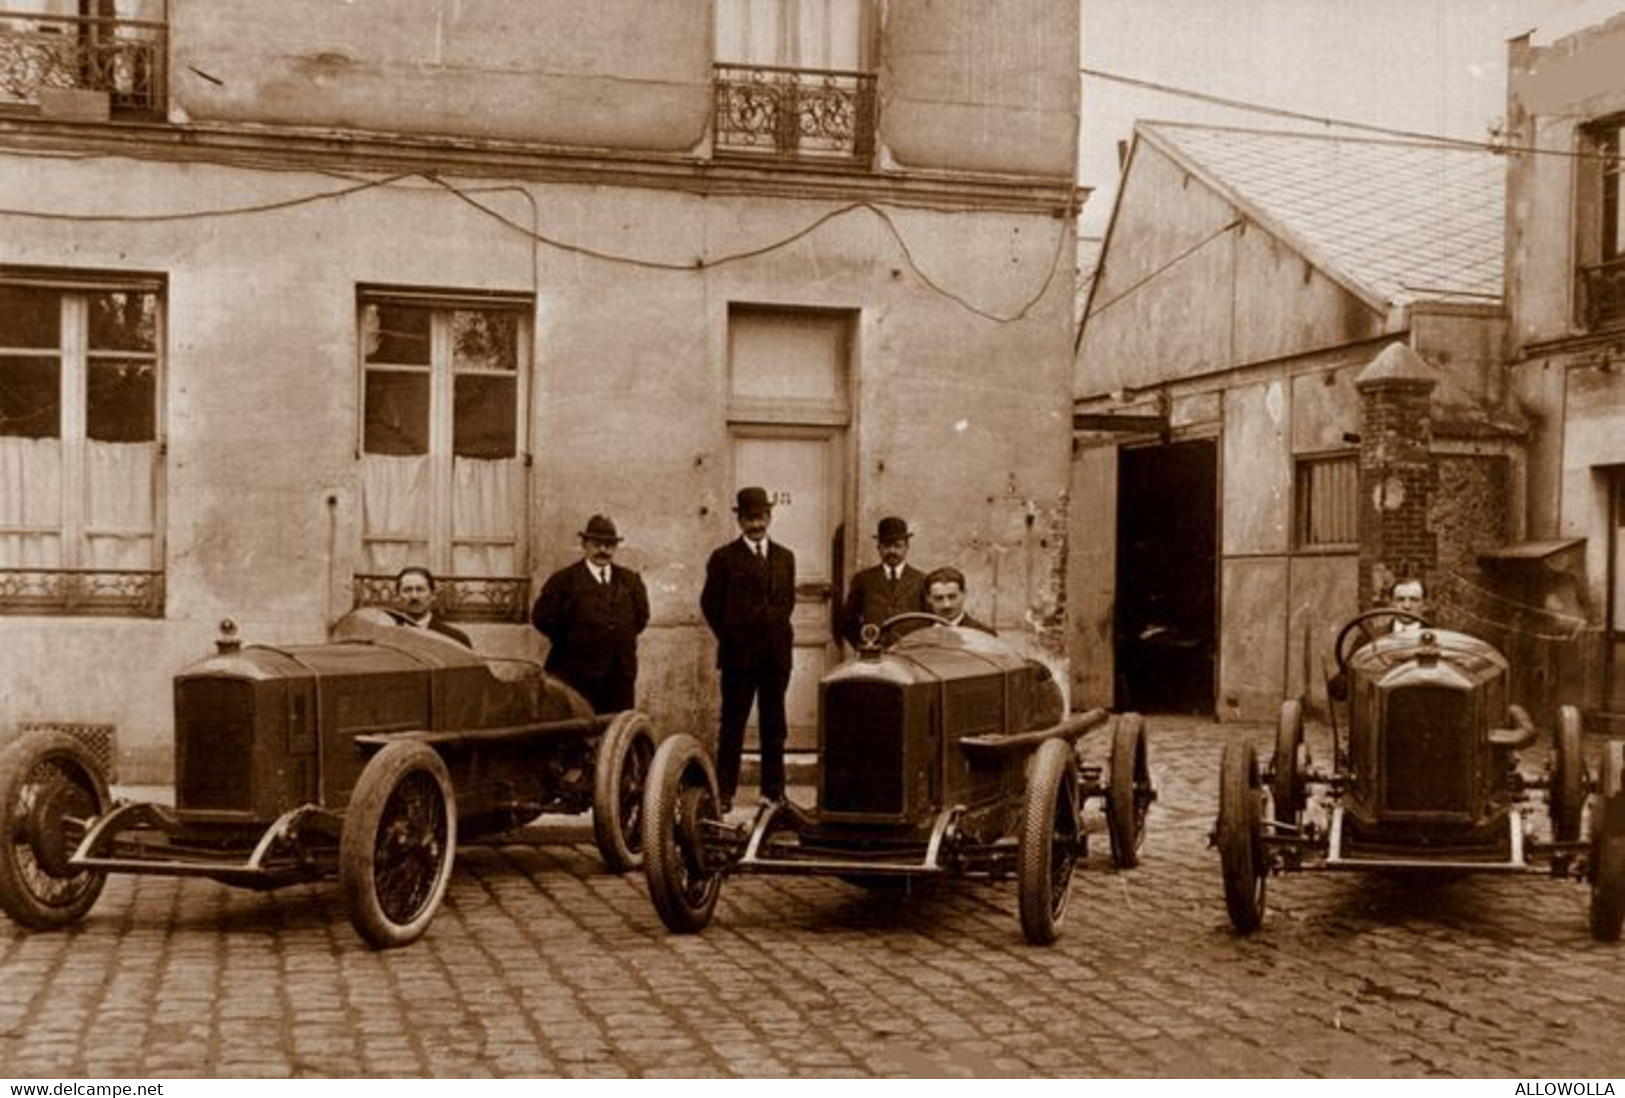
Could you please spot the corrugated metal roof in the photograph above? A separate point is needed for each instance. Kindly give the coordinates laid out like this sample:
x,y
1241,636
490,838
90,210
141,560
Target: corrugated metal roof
x,y
1403,222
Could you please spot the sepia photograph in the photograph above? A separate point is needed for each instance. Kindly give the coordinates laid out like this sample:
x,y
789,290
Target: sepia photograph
x,y
811,539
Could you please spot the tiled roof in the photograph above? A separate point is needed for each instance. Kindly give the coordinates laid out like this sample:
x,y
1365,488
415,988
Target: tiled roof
x,y
1401,222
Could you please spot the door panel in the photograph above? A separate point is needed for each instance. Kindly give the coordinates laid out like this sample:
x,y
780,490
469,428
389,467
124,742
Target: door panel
x,y
802,472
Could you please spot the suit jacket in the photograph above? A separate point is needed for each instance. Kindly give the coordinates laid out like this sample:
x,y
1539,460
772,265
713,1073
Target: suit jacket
x,y
435,624
593,627
967,622
874,598
748,604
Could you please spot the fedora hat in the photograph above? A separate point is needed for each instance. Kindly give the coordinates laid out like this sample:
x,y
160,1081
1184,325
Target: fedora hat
x,y
753,501
893,528
600,528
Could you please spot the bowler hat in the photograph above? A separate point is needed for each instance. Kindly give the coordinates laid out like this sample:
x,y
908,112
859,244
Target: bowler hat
x,y
600,528
893,528
753,501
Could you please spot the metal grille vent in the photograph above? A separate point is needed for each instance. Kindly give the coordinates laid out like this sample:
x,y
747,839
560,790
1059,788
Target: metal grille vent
x,y
1427,752
98,737
863,766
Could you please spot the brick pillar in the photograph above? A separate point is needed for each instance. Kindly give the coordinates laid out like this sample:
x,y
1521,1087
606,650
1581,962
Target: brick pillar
x,y
1396,472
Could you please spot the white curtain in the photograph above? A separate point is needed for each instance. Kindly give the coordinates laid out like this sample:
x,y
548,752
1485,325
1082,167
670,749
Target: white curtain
x,y
31,497
486,507
118,505
805,34
395,499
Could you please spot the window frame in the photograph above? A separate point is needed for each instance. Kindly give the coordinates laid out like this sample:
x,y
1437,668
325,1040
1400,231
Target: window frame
x,y
71,589
1599,224
1304,502
463,597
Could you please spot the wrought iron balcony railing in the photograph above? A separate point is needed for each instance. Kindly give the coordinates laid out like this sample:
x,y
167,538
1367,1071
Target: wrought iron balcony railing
x,y
1603,292
795,114
82,591
461,598
125,58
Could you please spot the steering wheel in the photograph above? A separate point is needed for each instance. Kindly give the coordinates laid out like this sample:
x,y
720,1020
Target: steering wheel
x,y
1361,623
871,633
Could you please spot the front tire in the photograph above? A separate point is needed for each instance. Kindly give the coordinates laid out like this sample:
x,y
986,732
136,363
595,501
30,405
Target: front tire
x,y
1286,774
1608,847
1567,791
619,775
51,787
1130,794
398,844
1240,836
680,798
1049,841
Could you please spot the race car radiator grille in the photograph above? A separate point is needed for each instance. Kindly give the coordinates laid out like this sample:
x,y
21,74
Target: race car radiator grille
x,y
1427,761
214,748
863,766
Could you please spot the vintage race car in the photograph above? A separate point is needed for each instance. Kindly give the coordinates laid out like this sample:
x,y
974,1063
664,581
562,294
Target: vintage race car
x,y
367,758
946,754
1427,779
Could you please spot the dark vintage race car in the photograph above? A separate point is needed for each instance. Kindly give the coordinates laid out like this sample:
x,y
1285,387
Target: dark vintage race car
x,y
946,754
367,758
1426,779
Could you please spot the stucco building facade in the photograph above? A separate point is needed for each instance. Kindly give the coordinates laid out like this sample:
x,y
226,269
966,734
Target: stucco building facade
x,y
294,294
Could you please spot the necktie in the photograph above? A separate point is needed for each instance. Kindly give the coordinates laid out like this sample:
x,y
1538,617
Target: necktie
x,y
603,576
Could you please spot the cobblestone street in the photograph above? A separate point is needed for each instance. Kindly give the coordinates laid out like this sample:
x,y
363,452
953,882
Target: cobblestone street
x,y
541,963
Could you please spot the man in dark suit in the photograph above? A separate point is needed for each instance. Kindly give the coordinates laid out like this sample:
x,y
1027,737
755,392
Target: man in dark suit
x,y
591,612
749,595
415,591
890,588
945,587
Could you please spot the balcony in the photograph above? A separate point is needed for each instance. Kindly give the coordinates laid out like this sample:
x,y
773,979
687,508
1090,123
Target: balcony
x,y
459,598
816,115
1602,293
44,56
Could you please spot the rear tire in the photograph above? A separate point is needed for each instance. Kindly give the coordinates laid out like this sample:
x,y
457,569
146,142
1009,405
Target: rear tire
x,y
1608,847
1286,773
1240,837
619,775
680,797
397,845
51,787
1130,794
1049,841
1567,792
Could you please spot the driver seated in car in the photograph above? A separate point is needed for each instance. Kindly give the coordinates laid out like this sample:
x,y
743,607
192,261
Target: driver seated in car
x,y
1409,597
945,587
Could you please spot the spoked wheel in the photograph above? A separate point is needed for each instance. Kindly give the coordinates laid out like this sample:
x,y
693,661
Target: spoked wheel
x,y
1241,836
1567,792
619,775
1130,794
1286,772
51,787
1049,841
680,798
398,844
1608,847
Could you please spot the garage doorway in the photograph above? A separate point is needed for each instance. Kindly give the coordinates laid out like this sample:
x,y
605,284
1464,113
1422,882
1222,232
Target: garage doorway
x,y
1166,622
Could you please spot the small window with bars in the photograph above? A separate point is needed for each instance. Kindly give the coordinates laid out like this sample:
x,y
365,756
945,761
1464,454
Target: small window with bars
x,y
1326,509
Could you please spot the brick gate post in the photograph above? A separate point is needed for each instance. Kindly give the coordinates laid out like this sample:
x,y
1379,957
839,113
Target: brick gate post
x,y
1396,471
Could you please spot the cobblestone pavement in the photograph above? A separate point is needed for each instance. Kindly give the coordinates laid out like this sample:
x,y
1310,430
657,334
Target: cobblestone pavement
x,y
542,963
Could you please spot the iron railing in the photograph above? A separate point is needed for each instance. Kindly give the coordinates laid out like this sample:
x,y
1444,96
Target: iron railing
x,y
125,58
460,598
131,594
795,114
1603,290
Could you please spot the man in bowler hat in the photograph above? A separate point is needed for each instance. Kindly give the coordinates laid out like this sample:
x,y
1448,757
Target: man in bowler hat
x,y
592,612
890,588
749,595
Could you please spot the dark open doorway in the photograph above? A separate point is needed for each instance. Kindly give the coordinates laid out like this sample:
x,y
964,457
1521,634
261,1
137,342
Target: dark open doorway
x,y
1167,596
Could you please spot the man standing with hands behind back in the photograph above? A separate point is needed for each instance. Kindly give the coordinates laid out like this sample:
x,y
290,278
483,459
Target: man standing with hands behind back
x,y
591,613
749,595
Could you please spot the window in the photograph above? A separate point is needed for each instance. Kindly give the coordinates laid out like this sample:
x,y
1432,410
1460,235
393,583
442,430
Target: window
x,y
1601,225
120,47
444,382
79,384
795,78
1327,513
